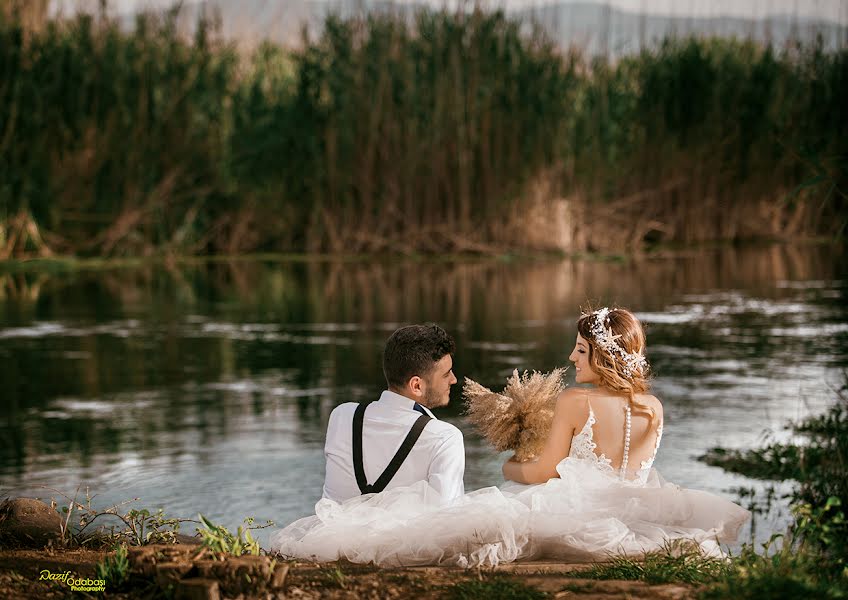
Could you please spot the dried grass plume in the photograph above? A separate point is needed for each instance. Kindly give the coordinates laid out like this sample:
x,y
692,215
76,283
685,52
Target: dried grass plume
x,y
519,418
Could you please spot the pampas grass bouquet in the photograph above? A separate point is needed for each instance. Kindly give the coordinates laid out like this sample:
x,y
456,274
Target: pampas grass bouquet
x,y
519,418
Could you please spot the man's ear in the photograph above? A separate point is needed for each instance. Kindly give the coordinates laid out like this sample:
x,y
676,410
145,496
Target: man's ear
x,y
416,386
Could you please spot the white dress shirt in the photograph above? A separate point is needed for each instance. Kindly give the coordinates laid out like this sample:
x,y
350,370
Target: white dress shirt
x,y
438,456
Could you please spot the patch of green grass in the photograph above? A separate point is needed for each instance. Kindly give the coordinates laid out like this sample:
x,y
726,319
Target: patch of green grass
x,y
675,563
70,264
788,573
334,577
494,588
115,568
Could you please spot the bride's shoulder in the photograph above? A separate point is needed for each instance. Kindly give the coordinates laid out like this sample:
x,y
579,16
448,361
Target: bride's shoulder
x,y
572,396
572,393
572,407
652,402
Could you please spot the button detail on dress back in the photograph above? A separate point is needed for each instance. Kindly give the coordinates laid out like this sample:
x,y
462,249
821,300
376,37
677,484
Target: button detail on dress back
x,y
623,470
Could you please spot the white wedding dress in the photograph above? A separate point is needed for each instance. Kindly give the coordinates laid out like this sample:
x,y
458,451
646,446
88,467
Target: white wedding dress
x,y
589,513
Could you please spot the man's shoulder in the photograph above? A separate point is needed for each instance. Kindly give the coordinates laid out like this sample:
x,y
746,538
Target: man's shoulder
x,y
344,408
444,429
343,412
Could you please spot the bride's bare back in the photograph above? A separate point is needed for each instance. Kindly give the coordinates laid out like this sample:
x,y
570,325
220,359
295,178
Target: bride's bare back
x,y
609,428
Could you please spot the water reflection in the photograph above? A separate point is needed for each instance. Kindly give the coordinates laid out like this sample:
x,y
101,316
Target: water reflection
x,y
206,386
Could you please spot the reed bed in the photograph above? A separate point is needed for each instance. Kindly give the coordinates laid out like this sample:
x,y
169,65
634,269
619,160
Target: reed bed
x,y
447,132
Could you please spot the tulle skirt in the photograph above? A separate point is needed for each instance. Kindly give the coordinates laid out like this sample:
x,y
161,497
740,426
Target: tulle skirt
x,y
585,514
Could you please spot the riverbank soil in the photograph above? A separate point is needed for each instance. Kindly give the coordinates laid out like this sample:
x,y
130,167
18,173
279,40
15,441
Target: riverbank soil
x,y
199,576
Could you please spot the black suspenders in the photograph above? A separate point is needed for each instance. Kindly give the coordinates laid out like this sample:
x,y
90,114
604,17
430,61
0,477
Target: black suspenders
x,y
394,464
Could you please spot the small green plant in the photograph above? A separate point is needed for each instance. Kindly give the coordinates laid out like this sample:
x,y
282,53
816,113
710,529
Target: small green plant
x,y
151,528
334,577
115,568
494,588
823,526
219,539
136,527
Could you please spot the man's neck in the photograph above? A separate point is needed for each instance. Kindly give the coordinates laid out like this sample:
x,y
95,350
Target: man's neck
x,y
407,395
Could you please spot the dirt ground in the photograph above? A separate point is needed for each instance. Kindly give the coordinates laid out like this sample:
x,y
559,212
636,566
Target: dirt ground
x,y
20,569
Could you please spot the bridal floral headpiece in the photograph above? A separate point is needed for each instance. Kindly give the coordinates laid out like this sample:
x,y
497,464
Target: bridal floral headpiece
x,y
604,337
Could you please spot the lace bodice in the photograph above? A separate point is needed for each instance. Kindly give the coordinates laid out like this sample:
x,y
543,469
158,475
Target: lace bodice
x,y
583,447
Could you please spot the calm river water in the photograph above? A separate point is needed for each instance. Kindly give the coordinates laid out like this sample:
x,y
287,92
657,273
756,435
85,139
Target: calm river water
x,y
206,387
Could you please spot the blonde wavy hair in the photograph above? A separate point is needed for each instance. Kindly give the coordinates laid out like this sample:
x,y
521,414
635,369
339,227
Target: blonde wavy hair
x,y
610,367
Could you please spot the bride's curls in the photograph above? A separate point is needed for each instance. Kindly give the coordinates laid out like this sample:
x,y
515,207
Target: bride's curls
x,y
616,352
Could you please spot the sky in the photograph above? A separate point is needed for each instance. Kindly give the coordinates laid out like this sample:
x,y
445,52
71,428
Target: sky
x,y
831,10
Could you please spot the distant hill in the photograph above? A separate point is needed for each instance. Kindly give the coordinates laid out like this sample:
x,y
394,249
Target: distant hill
x,y
596,28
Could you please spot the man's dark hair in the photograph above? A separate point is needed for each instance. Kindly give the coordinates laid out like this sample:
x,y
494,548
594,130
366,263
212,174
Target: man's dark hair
x,y
412,351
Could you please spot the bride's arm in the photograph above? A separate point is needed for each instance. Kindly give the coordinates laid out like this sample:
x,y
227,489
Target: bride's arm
x,y
556,448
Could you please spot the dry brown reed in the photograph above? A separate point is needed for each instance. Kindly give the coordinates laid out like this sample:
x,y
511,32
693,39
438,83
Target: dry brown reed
x,y
519,418
32,14
20,234
549,217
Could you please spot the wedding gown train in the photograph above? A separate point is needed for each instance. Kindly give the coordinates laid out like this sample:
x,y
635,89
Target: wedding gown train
x,y
589,513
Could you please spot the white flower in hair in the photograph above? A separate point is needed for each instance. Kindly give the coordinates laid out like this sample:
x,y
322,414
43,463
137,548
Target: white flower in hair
x,y
604,337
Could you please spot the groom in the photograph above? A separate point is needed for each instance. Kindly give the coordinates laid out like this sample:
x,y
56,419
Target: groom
x,y
396,441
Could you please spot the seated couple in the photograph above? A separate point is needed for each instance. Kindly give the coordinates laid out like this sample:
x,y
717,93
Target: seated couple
x,y
394,495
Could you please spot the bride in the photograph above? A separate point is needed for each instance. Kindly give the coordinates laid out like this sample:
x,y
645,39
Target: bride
x,y
591,493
